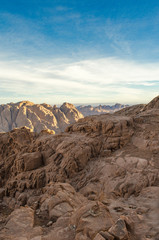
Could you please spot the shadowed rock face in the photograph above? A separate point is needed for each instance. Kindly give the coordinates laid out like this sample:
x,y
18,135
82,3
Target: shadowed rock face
x,y
37,117
98,180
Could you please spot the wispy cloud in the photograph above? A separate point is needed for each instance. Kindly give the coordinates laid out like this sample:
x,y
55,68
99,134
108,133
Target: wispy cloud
x,y
20,36
118,38
64,31
98,80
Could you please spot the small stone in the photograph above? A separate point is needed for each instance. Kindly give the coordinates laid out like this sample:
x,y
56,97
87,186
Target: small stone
x,y
119,230
49,223
129,222
37,211
22,198
73,227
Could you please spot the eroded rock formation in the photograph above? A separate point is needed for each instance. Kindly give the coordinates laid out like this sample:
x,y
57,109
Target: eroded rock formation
x,y
37,117
98,180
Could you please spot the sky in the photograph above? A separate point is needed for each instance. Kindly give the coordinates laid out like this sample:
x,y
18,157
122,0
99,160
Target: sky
x,y
81,52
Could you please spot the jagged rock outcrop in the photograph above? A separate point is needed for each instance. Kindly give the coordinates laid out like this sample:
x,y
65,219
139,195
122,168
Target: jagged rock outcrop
x,y
101,109
97,180
37,117
140,108
71,112
154,104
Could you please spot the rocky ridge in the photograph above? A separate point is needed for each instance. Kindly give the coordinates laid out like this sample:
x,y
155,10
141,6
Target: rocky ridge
x,y
101,109
37,117
98,180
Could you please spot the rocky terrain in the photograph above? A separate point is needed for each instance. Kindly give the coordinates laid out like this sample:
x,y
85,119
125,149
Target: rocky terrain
x,y
101,109
99,180
37,117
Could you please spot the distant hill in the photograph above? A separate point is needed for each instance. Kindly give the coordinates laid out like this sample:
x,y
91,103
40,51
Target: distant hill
x,y
37,117
100,109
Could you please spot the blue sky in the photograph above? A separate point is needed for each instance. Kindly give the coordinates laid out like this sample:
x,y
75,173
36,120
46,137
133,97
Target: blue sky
x,y
79,51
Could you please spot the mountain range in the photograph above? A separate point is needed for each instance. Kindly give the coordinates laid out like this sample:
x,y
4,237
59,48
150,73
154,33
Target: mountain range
x,y
100,109
98,180
38,117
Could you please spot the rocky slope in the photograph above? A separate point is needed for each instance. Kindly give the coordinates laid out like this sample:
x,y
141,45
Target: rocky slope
x,y
37,117
101,109
98,180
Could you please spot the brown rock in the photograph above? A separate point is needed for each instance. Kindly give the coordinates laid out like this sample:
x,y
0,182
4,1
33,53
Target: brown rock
x,y
154,104
22,198
20,224
119,230
106,236
98,179
59,210
91,219
32,161
98,237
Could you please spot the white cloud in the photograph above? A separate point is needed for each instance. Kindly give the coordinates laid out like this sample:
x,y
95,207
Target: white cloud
x,y
99,80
